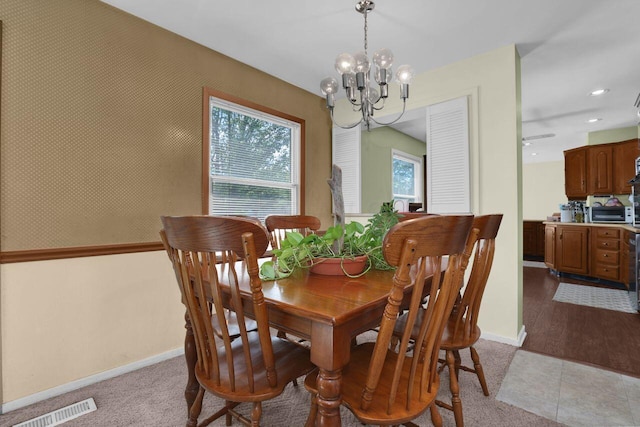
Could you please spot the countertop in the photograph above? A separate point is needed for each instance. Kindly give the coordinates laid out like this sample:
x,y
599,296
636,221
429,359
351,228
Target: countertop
x,y
627,227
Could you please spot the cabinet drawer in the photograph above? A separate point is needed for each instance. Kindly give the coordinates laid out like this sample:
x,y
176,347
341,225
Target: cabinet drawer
x,y
611,244
604,256
605,271
612,233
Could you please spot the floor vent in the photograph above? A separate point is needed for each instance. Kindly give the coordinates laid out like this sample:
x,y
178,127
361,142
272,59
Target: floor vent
x,y
61,415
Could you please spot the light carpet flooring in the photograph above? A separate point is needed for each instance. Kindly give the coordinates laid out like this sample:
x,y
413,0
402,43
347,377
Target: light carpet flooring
x,y
610,299
571,393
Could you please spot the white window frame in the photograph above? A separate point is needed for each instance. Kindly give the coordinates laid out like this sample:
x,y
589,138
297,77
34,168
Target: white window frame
x,y
296,127
417,174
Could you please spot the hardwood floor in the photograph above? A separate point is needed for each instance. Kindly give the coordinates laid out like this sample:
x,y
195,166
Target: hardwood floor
x,y
603,338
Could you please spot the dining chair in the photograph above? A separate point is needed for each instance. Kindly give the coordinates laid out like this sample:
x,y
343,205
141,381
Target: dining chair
x,y
384,387
231,320
208,254
279,225
461,330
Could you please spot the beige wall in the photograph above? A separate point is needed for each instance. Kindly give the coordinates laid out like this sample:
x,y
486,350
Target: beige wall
x,y
492,82
101,128
542,189
613,135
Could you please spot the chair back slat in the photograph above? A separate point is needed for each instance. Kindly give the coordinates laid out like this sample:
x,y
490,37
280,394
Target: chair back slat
x,y
208,254
279,225
418,248
465,314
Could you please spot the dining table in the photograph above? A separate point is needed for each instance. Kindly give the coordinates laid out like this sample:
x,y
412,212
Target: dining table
x,y
327,311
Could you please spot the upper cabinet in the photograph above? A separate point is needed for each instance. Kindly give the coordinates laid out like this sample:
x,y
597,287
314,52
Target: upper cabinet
x,y
624,156
599,172
602,169
575,173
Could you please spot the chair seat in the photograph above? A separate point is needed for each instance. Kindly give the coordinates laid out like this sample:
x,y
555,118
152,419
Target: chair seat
x,y
291,360
354,375
457,339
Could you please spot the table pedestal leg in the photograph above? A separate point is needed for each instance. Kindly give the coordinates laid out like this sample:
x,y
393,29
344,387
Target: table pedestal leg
x,y
329,398
191,391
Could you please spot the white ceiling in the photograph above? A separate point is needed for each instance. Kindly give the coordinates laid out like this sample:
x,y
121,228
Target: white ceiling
x,y
568,48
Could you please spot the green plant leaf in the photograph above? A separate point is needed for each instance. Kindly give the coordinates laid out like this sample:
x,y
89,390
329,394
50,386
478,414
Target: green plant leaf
x,y
267,271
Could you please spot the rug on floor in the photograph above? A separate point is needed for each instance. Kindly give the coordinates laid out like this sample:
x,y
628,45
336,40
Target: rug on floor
x,y
610,299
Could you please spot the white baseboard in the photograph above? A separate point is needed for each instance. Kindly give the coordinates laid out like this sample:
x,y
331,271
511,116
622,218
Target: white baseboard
x,y
74,385
499,338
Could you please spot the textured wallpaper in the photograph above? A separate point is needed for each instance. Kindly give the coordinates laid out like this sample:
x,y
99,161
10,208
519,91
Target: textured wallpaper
x,y
101,123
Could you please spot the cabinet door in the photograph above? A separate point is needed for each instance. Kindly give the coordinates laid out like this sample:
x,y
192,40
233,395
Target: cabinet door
x,y
550,246
540,239
600,170
575,173
624,159
529,238
572,249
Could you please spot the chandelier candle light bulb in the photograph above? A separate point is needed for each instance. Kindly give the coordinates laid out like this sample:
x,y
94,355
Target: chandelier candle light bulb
x,y
356,76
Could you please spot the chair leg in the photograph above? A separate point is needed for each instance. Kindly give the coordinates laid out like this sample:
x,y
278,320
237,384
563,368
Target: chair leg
x,y
256,413
479,371
195,409
436,418
456,403
456,355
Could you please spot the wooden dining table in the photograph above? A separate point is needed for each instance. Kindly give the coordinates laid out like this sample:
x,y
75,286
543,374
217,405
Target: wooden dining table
x,y
328,311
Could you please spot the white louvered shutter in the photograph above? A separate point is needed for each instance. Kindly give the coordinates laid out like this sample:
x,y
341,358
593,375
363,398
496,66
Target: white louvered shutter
x,y
346,155
448,175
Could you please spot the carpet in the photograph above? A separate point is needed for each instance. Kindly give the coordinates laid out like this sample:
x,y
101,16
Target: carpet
x,y
610,299
153,396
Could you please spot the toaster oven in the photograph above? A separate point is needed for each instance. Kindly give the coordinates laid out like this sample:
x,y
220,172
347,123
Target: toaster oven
x,y
614,214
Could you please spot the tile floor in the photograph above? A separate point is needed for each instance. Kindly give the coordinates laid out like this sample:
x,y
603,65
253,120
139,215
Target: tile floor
x,y
571,393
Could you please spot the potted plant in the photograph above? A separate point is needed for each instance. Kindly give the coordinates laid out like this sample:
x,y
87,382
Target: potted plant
x,y
353,243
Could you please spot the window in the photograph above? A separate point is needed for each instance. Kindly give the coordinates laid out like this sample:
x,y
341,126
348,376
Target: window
x,y
252,160
406,177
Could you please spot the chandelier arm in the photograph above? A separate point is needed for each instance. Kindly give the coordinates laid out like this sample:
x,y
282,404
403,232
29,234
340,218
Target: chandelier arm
x,y
351,126
404,105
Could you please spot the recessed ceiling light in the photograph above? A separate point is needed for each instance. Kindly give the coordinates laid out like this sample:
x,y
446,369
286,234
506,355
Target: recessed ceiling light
x,y
593,120
599,92
534,154
526,144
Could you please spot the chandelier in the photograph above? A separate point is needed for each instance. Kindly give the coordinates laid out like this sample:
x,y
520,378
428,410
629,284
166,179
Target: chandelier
x,y
356,79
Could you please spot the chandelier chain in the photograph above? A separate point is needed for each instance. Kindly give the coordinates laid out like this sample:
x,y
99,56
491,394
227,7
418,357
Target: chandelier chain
x,y
366,27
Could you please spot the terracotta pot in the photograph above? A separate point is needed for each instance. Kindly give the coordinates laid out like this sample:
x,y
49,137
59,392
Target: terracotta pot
x,y
338,266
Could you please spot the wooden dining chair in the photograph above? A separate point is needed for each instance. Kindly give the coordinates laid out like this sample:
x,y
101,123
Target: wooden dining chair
x,y
462,331
279,225
384,387
205,252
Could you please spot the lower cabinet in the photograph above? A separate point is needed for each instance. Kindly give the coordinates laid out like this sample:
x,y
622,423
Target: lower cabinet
x,y
533,239
594,251
572,249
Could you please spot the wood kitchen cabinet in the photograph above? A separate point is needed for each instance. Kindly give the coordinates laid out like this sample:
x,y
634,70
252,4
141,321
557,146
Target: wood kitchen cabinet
x,y
600,169
572,249
550,246
624,156
533,239
605,253
575,173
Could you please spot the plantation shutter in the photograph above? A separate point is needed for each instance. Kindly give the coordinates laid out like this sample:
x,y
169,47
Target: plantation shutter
x,y
346,155
448,175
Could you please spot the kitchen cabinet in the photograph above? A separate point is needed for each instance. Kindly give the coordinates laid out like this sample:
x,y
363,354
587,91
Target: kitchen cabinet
x,y
600,169
533,239
575,173
624,155
605,253
571,251
550,246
